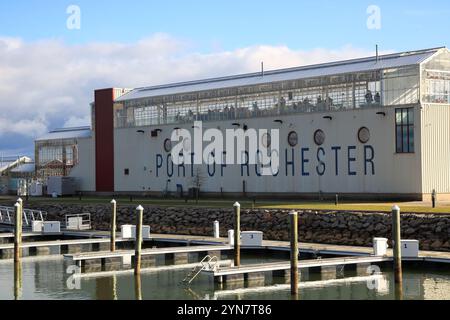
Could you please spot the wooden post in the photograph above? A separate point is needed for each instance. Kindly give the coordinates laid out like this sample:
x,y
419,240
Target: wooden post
x,y
237,234
137,287
396,237
17,249
17,232
294,252
17,279
113,225
137,253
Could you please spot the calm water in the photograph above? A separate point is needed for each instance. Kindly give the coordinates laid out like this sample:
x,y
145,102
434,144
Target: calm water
x,y
47,279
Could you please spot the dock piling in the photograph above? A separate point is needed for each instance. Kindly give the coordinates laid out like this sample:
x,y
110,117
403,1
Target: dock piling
x,y
17,232
237,234
294,252
396,237
113,225
216,229
137,287
17,280
17,250
137,254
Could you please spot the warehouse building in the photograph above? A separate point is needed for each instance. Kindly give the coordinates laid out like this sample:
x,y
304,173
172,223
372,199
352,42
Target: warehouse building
x,y
376,127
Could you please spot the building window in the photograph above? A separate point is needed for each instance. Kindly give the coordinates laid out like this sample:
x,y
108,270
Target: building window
x,y
126,172
404,130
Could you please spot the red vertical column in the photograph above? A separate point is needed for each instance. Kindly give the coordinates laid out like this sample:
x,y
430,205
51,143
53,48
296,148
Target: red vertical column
x,y
104,140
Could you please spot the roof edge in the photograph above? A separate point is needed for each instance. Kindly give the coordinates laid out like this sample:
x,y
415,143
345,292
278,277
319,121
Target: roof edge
x,y
290,69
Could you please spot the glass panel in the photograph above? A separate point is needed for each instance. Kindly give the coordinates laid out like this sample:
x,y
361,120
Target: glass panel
x,y
398,116
411,139
410,116
405,138
398,136
404,116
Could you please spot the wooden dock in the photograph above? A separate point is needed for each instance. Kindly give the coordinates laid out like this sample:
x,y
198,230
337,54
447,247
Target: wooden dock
x,y
121,259
73,246
328,267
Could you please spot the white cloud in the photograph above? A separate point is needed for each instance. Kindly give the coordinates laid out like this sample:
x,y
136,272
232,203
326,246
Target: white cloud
x,y
49,83
77,122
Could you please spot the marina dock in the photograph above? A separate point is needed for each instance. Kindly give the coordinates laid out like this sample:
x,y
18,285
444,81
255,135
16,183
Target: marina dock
x,y
123,258
72,246
328,267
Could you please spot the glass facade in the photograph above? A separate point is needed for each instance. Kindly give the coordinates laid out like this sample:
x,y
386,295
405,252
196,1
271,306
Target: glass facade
x,y
399,86
55,157
436,79
313,95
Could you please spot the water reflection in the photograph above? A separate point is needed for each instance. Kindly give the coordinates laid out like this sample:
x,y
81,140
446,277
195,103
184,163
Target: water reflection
x,y
106,288
47,279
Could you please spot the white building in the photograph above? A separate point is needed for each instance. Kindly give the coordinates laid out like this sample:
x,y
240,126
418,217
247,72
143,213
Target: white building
x,y
376,127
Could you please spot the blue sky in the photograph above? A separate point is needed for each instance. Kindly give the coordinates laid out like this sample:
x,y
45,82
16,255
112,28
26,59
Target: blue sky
x,y
213,25
48,72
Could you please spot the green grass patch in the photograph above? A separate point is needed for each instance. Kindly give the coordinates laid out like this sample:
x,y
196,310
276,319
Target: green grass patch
x,y
246,204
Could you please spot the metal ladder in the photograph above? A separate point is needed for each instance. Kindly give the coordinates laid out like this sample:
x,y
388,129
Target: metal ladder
x,y
207,263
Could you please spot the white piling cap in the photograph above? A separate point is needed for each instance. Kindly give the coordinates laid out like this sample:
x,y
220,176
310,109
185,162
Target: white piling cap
x,y
236,204
293,212
19,200
140,208
113,201
17,205
396,208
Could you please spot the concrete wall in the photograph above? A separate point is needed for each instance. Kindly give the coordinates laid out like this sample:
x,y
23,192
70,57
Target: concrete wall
x,y
85,170
344,228
392,173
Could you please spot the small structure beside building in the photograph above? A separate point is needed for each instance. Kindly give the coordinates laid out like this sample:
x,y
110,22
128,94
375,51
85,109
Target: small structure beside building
x,y
57,152
15,173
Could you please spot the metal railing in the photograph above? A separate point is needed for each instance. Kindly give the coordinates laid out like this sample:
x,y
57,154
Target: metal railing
x,y
7,216
78,221
208,263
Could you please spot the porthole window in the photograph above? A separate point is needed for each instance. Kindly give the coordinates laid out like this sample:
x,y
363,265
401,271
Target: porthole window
x,y
363,135
187,144
266,140
293,138
167,145
319,137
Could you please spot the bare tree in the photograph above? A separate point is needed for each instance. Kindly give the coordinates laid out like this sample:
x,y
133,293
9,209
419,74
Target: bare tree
x,y
197,181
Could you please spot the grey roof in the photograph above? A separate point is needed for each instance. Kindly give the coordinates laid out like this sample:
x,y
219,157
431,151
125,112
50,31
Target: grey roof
x,y
333,68
8,162
24,168
67,133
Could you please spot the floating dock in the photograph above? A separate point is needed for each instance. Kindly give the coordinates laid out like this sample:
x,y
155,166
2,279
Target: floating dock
x,y
328,267
72,246
123,258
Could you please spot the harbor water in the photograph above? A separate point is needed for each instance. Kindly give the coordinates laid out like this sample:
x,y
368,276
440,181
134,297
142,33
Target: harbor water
x,y
52,278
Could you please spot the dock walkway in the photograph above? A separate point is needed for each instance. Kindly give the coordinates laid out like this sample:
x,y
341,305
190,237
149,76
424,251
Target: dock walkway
x,y
146,252
278,266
